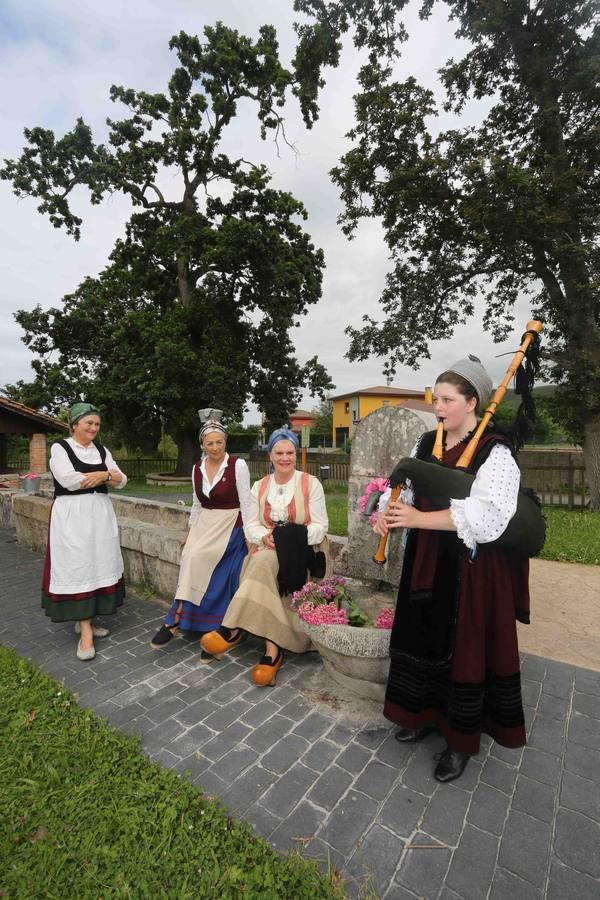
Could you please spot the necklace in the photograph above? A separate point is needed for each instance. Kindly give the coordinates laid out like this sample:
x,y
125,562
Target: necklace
x,y
280,488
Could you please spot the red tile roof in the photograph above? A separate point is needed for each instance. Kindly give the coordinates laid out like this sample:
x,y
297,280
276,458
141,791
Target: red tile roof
x,y
50,423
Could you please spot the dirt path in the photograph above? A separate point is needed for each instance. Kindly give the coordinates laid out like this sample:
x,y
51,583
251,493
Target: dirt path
x,y
565,613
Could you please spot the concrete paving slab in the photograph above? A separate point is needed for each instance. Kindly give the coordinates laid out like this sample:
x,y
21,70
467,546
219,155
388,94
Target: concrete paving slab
x,y
316,770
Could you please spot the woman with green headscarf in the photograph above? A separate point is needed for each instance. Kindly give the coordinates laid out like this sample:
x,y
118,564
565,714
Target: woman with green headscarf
x,y
83,573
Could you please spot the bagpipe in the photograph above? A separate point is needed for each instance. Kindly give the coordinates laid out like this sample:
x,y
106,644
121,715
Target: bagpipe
x,y
526,531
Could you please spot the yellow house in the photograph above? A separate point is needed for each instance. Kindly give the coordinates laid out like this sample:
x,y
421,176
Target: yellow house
x,y
351,408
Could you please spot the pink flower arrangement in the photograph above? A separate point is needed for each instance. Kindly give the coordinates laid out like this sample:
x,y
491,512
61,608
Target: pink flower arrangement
x,y
322,614
385,619
328,603
378,486
29,476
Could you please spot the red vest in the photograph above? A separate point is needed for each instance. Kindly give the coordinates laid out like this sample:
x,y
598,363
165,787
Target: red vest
x,y
224,494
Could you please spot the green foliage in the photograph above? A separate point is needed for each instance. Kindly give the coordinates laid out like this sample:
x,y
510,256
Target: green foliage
x,y
86,815
242,443
495,211
195,306
323,414
167,448
544,430
240,428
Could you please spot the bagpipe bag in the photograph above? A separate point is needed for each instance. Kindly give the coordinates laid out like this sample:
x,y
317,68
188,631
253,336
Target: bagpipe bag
x,y
524,534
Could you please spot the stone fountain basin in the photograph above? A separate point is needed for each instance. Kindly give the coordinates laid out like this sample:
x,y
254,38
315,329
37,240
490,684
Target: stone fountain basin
x,y
357,658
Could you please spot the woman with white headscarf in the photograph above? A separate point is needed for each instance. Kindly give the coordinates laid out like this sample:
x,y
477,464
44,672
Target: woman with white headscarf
x,y
215,547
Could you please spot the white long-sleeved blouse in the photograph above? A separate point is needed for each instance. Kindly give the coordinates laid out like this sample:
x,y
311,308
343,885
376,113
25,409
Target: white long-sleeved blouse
x,y
483,515
62,467
242,483
279,497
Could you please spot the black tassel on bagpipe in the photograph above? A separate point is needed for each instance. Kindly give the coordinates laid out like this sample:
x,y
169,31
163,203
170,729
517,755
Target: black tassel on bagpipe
x,y
524,380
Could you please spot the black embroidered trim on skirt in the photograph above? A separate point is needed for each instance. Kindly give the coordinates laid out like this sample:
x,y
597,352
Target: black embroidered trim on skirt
x,y
465,706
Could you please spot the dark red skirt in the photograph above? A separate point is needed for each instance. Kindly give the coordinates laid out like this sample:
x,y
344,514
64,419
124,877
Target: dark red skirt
x,y
477,688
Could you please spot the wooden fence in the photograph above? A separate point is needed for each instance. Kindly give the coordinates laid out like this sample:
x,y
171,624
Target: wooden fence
x,y
558,477
332,469
133,468
557,485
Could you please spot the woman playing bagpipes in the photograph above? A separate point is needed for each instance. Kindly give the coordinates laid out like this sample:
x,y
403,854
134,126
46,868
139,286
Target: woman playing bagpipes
x,y
454,654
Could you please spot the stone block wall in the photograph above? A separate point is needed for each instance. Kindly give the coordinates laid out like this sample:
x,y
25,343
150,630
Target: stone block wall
x,y
150,533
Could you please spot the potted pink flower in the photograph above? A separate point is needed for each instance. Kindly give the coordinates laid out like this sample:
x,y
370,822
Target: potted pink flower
x,y
353,647
30,482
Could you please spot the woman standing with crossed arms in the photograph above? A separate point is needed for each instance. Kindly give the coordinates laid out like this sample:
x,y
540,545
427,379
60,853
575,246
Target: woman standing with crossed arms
x,y
83,572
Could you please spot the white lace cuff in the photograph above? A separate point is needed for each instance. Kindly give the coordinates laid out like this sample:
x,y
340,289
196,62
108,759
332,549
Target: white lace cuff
x,y
463,529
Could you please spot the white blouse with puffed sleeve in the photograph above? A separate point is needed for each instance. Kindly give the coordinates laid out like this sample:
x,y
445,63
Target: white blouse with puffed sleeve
x,y
484,515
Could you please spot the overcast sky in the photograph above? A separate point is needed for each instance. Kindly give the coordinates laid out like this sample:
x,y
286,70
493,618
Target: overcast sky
x,y
58,60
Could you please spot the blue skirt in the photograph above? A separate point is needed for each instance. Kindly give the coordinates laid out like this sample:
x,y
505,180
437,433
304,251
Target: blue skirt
x,y
222,586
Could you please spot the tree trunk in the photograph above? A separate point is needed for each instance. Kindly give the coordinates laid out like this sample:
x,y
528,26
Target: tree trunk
x,y
591,453
188,452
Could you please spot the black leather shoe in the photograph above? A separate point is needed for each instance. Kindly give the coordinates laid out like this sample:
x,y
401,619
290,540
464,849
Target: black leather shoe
x,y
163,636
413,735
451,765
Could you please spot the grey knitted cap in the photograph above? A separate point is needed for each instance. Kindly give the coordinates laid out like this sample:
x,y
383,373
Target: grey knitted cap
x,y
473,372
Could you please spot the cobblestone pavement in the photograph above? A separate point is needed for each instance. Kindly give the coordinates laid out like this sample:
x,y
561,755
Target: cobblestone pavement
x,y
518,824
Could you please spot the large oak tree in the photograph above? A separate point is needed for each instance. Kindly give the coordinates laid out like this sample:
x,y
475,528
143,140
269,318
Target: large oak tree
x,y
196,303
479,215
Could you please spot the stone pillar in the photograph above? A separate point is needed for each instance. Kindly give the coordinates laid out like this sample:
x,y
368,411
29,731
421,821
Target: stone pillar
x,y
37,453
380,440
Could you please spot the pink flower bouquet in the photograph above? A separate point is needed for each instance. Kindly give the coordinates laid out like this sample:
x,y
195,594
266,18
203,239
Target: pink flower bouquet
x,y
376,486
328,603
385,619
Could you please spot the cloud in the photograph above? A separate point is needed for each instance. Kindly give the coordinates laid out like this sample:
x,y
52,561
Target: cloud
x,y
59,59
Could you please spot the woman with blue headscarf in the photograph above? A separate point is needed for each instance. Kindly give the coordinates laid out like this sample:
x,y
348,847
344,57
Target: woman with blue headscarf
x,y
260,605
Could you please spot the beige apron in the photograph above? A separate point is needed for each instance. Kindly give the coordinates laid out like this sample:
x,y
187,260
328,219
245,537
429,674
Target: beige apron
x,y
205,547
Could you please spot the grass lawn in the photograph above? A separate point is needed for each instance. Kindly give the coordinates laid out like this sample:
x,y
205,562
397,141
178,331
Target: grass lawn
x,y
139,486
337,510
573,535
85,815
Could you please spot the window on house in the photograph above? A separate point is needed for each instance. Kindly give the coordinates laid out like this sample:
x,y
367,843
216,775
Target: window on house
x,y
347,406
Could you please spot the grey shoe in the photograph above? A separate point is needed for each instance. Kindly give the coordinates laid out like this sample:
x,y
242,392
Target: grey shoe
x,y
85,654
